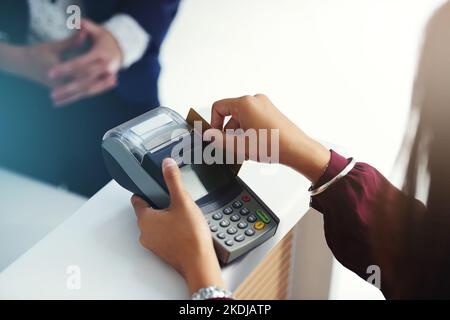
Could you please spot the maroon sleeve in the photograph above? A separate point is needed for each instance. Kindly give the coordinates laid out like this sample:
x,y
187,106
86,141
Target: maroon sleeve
x,y
346,206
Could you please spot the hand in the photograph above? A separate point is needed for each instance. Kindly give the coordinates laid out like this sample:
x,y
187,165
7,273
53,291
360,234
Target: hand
x,y
179,234
34,62
296,149
91,73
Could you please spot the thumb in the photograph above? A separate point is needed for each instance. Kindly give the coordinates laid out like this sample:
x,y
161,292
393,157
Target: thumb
x,y
89,27
172,177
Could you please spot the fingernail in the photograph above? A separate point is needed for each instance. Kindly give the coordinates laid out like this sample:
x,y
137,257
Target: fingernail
x,y
133,200
168,162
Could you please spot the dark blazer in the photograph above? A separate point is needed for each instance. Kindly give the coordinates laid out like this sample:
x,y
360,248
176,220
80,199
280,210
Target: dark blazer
x,y
137,84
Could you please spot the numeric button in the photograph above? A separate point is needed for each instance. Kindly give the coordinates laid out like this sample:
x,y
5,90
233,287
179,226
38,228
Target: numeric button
x,y
232,230
244,211
237,204
217,216
235,218
229,242
251,218
221,235
227,210
224,223
213,228
239,238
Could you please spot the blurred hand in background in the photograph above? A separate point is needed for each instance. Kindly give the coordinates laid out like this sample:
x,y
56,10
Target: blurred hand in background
x,y
91,73
83,75
34,62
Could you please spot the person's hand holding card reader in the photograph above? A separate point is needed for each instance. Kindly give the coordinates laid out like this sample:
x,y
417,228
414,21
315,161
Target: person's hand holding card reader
x,y
133,153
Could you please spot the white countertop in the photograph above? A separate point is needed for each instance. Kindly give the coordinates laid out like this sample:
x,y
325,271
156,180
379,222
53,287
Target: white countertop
x,y
21,220
102,240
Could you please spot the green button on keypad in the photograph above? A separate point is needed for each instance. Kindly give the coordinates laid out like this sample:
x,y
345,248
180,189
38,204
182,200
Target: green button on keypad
x,y
264,217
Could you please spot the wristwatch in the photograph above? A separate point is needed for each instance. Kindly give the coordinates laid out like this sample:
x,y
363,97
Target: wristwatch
x,y
212,292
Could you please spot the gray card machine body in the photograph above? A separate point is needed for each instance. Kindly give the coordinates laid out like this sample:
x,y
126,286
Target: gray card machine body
x,y
133,152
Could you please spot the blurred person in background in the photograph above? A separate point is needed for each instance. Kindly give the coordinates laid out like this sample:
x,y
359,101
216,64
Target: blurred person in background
x,y
62,89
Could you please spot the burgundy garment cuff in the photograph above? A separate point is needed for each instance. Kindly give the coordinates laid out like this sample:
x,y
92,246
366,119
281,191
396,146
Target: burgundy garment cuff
x,y
336,165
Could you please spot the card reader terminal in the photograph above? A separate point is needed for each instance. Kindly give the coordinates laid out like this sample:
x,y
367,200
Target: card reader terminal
x,y
133,152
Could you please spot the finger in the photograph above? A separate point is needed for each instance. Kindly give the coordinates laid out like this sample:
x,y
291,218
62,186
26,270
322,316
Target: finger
x,y
72,42
98,87
70,67
93,70
80,83
222,109
219,111
145,215
68,100
219,137
172,177
89,26
107,82
229,140
139,205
